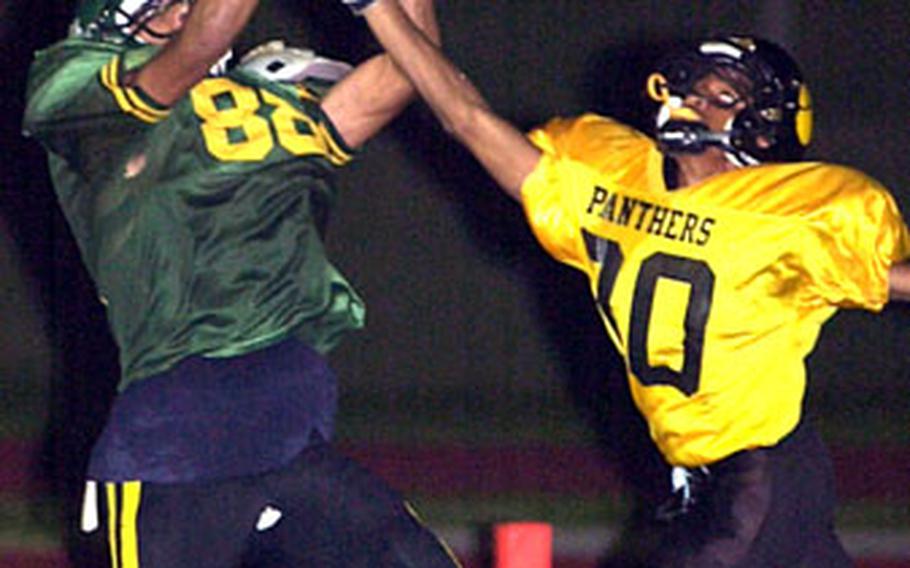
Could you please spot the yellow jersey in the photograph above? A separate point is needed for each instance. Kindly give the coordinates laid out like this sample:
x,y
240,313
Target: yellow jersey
x,y
715,293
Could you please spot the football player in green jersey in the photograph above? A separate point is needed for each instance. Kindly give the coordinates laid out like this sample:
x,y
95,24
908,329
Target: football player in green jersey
x,y
198,193
714,256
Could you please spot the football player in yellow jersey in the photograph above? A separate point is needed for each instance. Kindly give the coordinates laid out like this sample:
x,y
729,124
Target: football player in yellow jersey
x,y
714,257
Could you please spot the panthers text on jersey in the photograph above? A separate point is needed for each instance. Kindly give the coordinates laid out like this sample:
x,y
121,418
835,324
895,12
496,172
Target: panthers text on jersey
x,y
714,293
168,204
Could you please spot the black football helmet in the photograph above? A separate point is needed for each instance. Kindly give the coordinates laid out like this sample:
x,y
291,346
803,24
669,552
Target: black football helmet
x,y
118,21
775,125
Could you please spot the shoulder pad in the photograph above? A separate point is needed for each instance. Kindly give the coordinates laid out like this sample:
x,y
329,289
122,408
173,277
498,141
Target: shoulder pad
x,y
276,62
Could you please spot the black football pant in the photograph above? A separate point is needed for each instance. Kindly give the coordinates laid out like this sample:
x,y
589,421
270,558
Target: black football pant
x,y
765,508
323,510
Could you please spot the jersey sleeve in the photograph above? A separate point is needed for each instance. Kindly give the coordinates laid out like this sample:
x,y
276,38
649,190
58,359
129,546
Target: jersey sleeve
x,y
546,193
552,210
79,108
310,94
859,236
578,153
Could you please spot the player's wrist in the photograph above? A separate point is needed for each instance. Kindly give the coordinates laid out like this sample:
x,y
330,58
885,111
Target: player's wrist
x,y
358,7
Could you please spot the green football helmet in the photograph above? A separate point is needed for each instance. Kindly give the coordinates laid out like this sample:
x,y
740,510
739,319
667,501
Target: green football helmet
x,y
118,20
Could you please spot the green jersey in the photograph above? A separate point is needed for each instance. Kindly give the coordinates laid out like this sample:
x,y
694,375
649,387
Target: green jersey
x,y
201,224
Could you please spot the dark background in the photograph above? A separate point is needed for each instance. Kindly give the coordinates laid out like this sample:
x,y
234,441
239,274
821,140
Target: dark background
x,y
474,335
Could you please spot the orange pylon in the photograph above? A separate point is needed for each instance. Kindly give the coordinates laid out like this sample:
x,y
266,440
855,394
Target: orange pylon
x,y
523,545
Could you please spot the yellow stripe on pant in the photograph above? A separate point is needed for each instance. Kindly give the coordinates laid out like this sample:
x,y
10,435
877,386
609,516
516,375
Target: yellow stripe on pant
x,y
122,537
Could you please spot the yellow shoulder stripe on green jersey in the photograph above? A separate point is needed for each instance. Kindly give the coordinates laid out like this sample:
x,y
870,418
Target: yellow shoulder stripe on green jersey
x,y
128,98
306,94
337,154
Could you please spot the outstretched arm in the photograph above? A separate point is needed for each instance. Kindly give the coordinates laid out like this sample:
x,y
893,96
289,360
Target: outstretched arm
x,y
209,32
499,146
376,91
